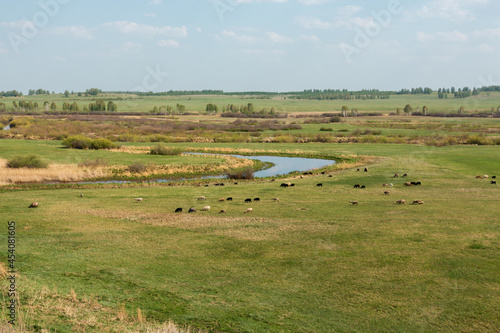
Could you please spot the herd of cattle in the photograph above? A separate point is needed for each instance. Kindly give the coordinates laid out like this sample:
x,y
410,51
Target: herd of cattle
x,y
249,200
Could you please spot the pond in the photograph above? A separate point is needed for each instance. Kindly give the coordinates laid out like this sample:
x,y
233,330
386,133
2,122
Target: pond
x,y
281,166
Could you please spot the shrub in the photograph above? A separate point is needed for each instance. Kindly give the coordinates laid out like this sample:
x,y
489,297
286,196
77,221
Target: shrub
x,y
137,167
246,173
335,119
83,142
326,129
31,161
162,150
102,144
77,142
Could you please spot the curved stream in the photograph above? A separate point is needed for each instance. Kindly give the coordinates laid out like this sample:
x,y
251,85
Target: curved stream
x,y
281,166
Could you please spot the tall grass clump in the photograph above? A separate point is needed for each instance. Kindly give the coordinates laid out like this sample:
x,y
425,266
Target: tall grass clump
x,y
30,161
162,150
246,173
98,162
102,144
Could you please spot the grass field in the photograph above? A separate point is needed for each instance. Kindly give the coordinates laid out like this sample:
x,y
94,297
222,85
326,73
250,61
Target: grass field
x,y
197,103
310,263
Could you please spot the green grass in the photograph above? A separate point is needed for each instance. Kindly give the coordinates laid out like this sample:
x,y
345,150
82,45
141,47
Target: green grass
x,y
197,103
310,263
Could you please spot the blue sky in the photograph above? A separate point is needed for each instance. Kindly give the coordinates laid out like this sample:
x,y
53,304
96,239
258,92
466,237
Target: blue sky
x,y
248,45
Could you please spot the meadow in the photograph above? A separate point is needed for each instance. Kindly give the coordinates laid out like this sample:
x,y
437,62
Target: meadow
x,y
92,259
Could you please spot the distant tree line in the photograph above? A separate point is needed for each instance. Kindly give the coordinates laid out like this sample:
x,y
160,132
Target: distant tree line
x,y
415,91
38,92
12,93
330,94
99,105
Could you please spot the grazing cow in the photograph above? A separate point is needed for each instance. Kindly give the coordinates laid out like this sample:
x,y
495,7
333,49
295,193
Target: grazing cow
x,y
363,186
417,202
391,184
273,180
222,211
34,205
387,192
357,170
192,210
357,186
319,185
205,209
249,210
396,175
256,199
493,182
230,199
330,176
494,177
138,199
202,198
478,177
81,195
178,210
276,199
291,185
248,200
366,170
405,175
418,183
222,199
353,202
385,185
413,183
285,184
408,184
222,184
400,201
206,185
323,172
236,183
485,176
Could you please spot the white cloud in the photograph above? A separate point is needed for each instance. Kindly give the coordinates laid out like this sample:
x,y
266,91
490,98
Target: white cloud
x,y
312,23
277,38
453,10
132,45
147,30
152,15
259,1
155,2
488,33
486,48
168,43
348,11
240,38
72,31
454,36
312,2
309,38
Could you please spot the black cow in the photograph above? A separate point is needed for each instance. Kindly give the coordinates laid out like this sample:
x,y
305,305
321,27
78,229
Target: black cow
x,y
248,200
319,185
256,199
493,182
357,186
229,199
178,210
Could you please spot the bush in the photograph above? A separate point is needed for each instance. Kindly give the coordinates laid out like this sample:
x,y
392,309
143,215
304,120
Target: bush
x,y
246,173
77,142
83,142
335,119
326,129
102,144
31,161
162,150
137,167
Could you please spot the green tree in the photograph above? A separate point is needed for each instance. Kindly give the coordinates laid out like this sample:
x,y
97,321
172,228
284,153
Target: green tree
x,y
53,106
15,105
2,106
425,109
408,109
66,94
344,110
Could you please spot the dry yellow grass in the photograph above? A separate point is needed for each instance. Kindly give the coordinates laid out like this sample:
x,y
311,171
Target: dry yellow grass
x,y
55,172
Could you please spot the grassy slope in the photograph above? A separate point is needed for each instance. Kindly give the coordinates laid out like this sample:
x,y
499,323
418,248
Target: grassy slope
x,y
312,263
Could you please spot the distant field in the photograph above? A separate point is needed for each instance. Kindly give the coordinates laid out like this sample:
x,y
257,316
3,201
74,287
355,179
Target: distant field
x,y
197,103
